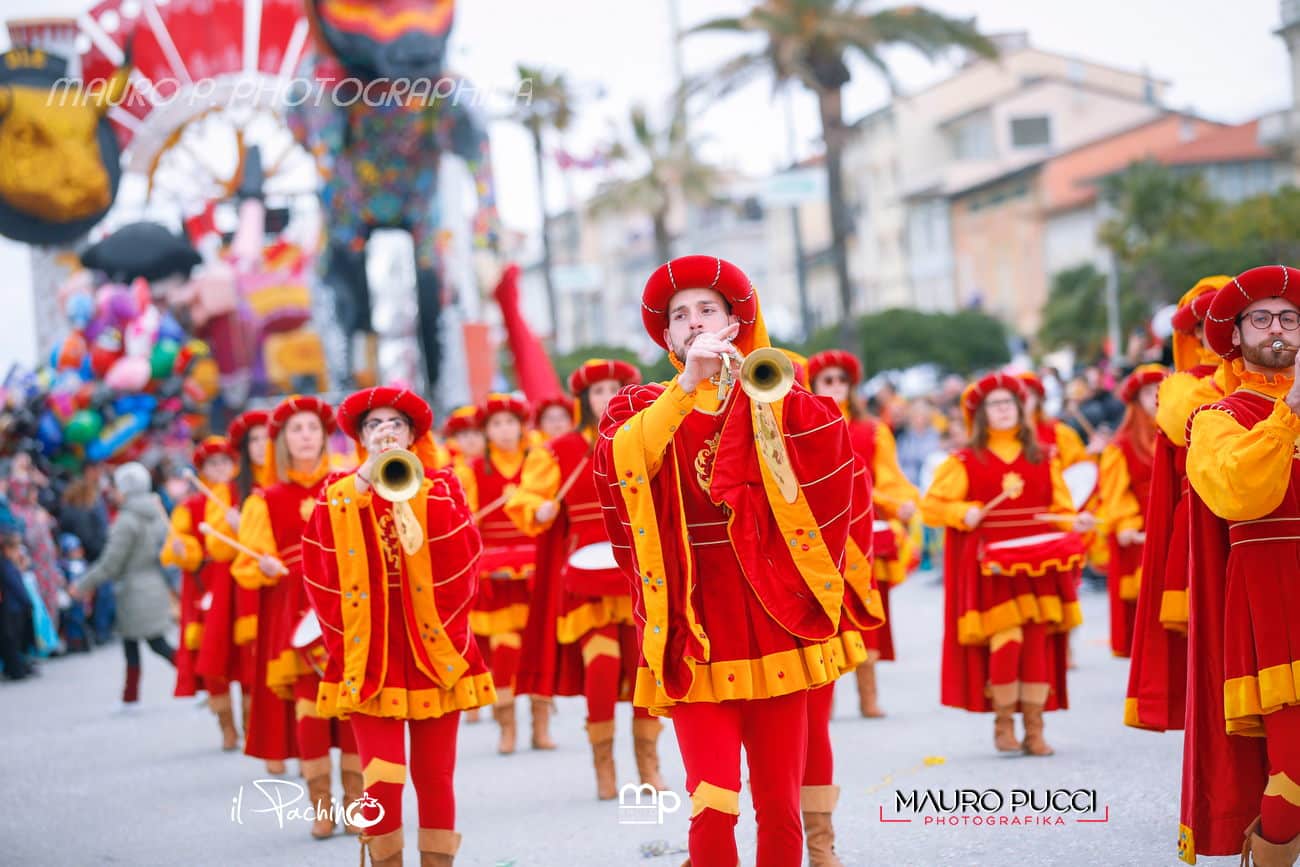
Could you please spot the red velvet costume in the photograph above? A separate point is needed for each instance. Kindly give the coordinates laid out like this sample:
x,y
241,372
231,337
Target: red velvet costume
x,y
1242,746
400,651
739,584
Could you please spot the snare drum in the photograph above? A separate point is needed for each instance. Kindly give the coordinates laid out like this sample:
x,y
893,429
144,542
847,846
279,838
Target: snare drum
x,y
1033,555
309,643
591,570
884,544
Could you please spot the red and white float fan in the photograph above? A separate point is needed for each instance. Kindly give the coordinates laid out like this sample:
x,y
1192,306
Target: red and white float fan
x,y
207,77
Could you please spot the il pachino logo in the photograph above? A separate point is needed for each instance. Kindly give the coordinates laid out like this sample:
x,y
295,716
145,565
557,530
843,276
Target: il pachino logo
x,y
1014,807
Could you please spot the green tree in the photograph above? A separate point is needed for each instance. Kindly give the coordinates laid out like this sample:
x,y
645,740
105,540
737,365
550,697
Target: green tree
x,y
1075,312
669,166
810,42
549,109
961,342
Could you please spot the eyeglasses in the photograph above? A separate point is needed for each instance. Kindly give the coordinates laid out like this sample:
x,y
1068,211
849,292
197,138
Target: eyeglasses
x,y
1263,319
1001,401
375,424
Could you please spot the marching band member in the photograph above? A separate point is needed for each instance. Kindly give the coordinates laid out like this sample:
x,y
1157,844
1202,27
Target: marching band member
x,y
1009,606
579,612
1157,685
187,549
391,581
1243,723
500,612
247,434
732,513
295,464
1124,493
1057,438
835,374
554,417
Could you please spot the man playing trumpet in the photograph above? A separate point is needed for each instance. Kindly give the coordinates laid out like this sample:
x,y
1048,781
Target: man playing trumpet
x,y
729,509
390,558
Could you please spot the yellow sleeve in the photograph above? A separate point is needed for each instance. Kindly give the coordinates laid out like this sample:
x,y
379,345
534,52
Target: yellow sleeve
x,y
945,504
539,482
1070,446
215,516
1180,395
465,473
183,529
254,533
890,488
1242,474
1119,508
661,419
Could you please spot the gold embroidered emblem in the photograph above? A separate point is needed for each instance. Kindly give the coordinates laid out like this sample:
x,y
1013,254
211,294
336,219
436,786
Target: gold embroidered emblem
x,y
704,462
305,508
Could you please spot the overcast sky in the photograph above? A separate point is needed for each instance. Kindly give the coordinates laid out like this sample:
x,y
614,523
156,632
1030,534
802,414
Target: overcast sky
x,y
1223,61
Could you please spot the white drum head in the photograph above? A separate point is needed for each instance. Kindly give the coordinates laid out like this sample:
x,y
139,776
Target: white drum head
x,y
594,558
308,630
206,602
879,526
1081,479
1025,541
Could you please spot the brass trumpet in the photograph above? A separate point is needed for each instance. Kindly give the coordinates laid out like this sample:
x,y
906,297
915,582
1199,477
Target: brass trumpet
x,y
398,474
766,374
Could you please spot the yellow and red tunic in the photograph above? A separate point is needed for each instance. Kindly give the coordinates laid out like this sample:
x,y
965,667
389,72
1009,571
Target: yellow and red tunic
x,y
864,611
1124,493
567,603
1241,463
986,595
739,590
185,522
509,556
219,656
395,624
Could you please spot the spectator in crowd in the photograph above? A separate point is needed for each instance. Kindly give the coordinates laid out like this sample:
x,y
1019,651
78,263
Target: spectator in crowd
x,y
16,632
918,439
84,514
72,616
131,560
39,528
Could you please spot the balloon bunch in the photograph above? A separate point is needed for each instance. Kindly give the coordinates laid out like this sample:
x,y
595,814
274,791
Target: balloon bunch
x,y
126,376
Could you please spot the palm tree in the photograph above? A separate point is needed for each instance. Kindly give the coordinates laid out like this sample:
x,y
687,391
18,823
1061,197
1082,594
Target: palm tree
x,y
810,41
549,108
672,169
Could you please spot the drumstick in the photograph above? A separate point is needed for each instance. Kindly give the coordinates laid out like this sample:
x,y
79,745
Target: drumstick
x,y
1012,487
167,519
572,479
208,530
204,489
492,506
1083,422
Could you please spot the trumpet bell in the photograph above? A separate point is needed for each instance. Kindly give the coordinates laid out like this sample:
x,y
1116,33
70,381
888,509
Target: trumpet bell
x,y
766,375
398,474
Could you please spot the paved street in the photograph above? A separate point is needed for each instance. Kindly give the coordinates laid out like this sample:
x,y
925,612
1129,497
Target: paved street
x,y
85,786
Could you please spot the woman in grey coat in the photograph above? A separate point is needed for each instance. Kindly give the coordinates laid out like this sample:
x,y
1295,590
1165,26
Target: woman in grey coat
x,y
130,560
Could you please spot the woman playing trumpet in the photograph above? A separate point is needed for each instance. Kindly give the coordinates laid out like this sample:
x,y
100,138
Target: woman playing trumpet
x,y
393,608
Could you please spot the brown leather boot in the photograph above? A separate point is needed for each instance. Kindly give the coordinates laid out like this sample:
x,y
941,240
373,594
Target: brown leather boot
x,y
541,715
438,847
1260,852
317,774
645,740
385,849
220,705
1004,730
504,714
817,804
601,735
866,674
354,785
1034,744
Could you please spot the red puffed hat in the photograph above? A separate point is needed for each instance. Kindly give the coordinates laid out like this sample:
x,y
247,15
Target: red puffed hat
x,y
1031,382
699,272
1142,375
977,391
498,402
211,447
244,423
462,419
846,361
1257,284
354,409
594,370
297,403
563,401
1192,307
